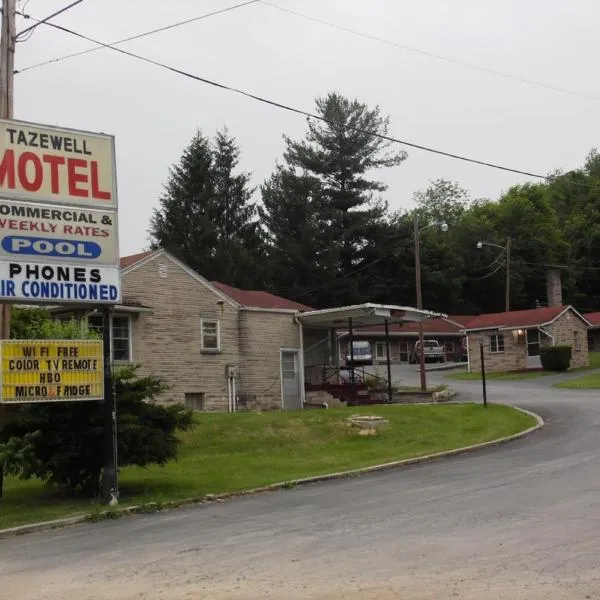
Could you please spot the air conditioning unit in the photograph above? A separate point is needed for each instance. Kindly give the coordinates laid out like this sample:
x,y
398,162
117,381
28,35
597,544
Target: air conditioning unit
x,y
232,372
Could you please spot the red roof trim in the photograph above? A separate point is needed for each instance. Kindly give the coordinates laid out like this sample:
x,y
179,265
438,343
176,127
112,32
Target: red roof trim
x,y
520,319
132,259
593,318
259,299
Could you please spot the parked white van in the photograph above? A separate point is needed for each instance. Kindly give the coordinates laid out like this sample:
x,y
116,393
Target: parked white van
x,y
361,350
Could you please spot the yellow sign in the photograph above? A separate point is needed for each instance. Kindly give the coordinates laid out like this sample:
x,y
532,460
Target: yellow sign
x,y
51,370
62,166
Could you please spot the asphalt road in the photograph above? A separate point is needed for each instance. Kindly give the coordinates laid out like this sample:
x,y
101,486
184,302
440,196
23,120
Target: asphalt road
x,y
517,521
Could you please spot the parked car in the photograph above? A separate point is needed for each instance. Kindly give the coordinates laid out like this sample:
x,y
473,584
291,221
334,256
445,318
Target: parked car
x,y
433,352
361,351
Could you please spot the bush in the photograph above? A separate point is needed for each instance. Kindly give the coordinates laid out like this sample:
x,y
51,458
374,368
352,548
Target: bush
x,y
63,442
555,358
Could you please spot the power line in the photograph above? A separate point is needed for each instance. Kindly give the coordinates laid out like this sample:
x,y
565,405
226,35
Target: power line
x,y
432,54
137,36
298,111
488,275
45,20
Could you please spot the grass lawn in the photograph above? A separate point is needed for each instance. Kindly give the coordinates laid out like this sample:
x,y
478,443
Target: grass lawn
x,y
518,375
226,453
586,382
505,375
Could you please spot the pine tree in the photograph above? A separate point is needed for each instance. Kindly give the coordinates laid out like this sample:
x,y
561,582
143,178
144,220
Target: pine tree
x,y
327,175
206,216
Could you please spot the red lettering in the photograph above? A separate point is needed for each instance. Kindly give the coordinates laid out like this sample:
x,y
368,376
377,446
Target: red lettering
x,y
54,162
13,224
7,169
96,191
68,229
38,177
74,177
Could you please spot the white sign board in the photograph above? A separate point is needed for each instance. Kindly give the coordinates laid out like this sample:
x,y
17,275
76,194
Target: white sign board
x,y
42,232
58,216
34,282
62,166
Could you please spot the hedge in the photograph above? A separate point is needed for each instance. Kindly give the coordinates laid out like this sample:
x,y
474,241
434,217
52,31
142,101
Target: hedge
x,y
555,358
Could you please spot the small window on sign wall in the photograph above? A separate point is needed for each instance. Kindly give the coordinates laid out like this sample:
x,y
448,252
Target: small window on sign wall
x,y
163,270
211,335
577,340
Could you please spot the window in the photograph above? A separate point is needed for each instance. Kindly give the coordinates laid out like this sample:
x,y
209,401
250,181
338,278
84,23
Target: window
x,y
120,338
120,335
194,400
211,335
380,351
497,343
577,340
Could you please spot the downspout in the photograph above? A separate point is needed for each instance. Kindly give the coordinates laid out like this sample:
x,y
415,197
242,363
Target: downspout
x,y
233,392
301,361
468,355
229,392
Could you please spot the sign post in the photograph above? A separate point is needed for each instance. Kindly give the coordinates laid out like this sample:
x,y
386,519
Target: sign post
x,y
482,355
59,245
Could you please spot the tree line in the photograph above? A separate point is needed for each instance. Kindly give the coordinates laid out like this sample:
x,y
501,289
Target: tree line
x,y
319,231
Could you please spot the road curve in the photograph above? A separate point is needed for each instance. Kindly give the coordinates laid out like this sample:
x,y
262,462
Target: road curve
x,y
517,521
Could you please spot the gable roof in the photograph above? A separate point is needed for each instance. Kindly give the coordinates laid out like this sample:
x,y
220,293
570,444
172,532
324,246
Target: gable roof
x,y
260,299
128,261
593,318
520,319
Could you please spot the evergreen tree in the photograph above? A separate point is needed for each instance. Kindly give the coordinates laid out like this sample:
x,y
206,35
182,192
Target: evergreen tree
x,y
206,216
326,178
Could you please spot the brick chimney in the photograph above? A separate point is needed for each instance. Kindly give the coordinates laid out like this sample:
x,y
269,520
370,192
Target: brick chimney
x,y
554,288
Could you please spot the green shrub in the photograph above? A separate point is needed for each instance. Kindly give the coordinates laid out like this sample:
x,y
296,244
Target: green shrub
x,y
555,358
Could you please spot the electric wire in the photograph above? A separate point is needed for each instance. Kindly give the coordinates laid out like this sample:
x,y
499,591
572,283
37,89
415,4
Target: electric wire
x,y
136,36
299,111
447,59
45,20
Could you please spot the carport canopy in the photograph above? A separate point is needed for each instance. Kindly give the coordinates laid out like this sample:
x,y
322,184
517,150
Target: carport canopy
x,y
362,315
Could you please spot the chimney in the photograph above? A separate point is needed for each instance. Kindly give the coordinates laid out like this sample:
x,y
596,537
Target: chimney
x,y
554,288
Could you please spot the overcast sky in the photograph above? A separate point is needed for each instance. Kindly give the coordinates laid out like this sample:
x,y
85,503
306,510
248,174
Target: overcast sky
x,y
154,113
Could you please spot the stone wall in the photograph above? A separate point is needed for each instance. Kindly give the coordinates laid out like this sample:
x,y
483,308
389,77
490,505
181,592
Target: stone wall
x,y
514,357
569,329
167,343
262,336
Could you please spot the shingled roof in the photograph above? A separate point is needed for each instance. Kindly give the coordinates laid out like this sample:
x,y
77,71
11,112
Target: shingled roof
x,y
128,261
519,319
259,298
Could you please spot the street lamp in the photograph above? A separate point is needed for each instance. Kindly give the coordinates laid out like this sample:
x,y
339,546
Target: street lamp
x,y
506,249
418,230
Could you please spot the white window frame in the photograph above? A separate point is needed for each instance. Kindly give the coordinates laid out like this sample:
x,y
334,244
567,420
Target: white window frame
x,y
497,336
129,335
202,346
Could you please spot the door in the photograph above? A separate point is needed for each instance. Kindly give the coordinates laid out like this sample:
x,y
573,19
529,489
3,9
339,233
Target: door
x,y
404,352
290,380
533,348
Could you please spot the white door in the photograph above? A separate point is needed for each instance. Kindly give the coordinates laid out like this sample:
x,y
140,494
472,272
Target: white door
x,y
533,348
290,380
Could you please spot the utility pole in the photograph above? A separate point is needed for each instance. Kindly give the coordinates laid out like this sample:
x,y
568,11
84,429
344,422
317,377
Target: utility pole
x,y
508,274
7,73
419,301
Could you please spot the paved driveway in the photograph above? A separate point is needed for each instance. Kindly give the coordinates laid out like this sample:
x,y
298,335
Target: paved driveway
x,y
520,521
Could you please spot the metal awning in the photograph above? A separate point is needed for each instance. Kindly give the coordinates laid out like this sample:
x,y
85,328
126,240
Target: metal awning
x,y
362,315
